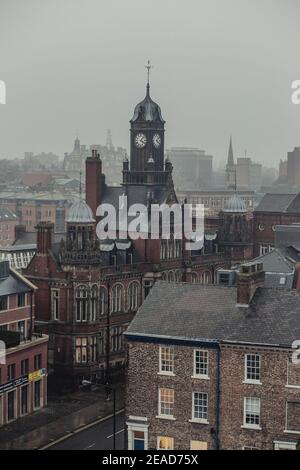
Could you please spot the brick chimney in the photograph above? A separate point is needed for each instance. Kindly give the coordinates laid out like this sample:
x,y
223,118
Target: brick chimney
x,y
250,277
94,181
44,237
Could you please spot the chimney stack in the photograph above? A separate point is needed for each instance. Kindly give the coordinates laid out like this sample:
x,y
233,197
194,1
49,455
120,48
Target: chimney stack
x,y
250,277
93,181
44,237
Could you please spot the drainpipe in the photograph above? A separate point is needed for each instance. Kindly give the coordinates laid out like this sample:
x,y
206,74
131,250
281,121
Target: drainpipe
x,y
108,334
31,316
218,392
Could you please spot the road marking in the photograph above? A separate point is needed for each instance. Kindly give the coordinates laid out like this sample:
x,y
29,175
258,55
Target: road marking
x,y
121,430
92,445
80,429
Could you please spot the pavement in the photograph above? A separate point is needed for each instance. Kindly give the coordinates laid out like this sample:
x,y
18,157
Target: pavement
x,y
63,415
97,436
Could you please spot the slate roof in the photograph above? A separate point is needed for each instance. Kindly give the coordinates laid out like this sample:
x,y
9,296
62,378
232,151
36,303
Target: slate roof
x,y
288,203
7,214
135,194
194,312
275,261
13,285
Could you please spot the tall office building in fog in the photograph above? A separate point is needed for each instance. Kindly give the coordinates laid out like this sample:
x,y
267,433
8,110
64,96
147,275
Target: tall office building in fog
x,y
192,167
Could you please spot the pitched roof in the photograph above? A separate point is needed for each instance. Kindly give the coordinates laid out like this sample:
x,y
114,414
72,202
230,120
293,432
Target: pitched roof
x,y
135,194
7,214
194,312
289,203
275,261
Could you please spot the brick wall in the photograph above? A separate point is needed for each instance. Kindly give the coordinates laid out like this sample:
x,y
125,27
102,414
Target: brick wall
x,y
143,383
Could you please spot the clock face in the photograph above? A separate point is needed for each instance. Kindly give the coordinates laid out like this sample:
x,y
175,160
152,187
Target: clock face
x,y
140,140
156,140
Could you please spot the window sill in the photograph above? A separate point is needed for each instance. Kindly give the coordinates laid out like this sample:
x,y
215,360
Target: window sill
x,y
167,374
168,418
200,377
293,386
286,431
252,382
251,427
199,421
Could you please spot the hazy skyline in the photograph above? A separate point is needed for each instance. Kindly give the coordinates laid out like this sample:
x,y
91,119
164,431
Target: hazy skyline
x,y
221,68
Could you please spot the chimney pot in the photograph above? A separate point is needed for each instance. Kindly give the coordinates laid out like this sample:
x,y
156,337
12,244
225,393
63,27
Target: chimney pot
x,y
250,278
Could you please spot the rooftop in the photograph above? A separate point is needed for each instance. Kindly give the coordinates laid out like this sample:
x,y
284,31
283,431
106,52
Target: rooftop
x,y
288,203
209,313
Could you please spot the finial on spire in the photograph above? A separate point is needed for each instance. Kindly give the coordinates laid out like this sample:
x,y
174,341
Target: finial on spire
x,y
148,67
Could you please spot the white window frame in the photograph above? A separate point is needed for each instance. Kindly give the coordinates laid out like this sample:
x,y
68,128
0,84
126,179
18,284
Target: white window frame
x,y
250,425
166,372
246,379
200,376
160,414
199,420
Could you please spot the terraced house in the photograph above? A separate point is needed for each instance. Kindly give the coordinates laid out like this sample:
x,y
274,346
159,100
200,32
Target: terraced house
x,y
212,367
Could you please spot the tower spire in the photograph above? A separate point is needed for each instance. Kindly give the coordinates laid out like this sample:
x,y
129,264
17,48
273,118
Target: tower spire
x,y
230,160
148,67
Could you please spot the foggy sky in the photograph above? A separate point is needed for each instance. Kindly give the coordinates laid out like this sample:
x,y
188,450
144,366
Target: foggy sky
x,y
221,67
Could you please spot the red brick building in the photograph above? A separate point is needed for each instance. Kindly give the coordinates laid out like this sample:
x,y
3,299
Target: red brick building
x,y
23,376
89,289
274,209
213,367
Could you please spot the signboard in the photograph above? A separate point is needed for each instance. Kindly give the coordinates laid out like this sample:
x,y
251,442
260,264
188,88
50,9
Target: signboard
x,y
13,384
36,375
32,377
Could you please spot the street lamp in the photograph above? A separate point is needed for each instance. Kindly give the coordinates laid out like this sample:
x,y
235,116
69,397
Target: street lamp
x,y
110,390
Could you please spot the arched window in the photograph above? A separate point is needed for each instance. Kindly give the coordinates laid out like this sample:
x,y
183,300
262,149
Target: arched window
x,y
94,303
178,276
177,248
205,278
171,276
116,298
133,295
81,299
194,278
102,300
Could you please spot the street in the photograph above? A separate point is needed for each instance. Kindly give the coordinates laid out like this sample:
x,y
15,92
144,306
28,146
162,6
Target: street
x,y
97,437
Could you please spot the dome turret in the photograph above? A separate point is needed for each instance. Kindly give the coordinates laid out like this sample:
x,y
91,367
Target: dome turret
x,y
235,204
80,212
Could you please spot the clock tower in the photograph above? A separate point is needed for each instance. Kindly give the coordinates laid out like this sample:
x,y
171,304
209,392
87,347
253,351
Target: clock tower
x,y
147,129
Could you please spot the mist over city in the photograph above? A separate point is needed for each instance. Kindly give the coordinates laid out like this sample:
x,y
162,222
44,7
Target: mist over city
x,y
149,228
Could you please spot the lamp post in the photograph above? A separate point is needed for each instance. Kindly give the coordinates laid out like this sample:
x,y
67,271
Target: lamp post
x,y
110,390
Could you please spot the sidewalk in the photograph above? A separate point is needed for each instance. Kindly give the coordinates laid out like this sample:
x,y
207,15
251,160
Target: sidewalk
x,y
63,415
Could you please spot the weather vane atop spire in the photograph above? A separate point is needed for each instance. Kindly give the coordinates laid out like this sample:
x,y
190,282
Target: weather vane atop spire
x,y
148,67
